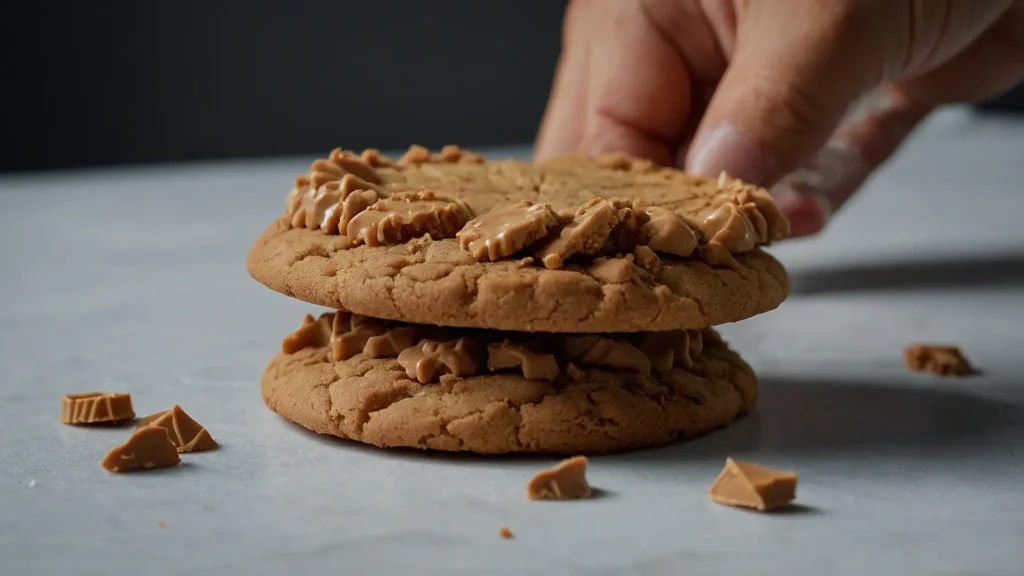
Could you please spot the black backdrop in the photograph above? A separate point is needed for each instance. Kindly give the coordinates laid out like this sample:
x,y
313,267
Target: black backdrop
x,y
94,82
126,81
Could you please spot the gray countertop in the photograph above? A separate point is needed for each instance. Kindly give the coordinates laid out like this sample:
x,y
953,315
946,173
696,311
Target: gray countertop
x,y
133,280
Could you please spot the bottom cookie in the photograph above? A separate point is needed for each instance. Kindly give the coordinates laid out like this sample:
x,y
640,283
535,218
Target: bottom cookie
x,y
588,394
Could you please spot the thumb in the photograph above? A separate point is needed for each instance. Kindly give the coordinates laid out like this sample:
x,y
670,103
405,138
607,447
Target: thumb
x,y
792,77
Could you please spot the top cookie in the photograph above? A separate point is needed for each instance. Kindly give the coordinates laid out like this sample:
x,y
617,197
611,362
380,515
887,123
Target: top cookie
x,y
575,244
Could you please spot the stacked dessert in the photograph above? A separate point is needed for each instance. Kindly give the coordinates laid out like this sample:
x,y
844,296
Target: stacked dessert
x,y
493,307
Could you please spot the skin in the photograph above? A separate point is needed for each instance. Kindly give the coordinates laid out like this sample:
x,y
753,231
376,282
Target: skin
x,y
803,96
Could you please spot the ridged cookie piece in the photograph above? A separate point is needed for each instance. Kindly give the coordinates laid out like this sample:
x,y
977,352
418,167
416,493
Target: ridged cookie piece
x,y
587,409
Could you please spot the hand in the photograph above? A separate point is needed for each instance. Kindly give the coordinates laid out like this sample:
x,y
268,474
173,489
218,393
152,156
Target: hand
x,y
805,96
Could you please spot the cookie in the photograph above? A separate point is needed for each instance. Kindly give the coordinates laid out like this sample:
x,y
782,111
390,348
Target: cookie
x,y
464,390
609,244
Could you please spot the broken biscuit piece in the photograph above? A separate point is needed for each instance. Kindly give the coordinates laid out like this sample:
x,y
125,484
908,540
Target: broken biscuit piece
x,y
752,486
96,408
567,481
186,434
149,447
505,533
941,360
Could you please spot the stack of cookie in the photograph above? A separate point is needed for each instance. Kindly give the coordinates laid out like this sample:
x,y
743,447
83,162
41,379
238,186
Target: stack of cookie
x,y
494,307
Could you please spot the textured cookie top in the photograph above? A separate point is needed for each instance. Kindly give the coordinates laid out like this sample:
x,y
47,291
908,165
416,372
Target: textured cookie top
x,y
465,241
428,352
564,207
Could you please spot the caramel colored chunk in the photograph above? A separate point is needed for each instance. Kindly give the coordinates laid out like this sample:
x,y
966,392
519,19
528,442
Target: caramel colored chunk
x,y
535,366
415,155
599,351
729,227
352,334
668,233
941,360
757,202
646,259
630,228
503,232
586,234
751,486
614,270
677,348
505,533
313,333
186,434
429,360
149,447
318,200
406,216
567,481
351,163
96,408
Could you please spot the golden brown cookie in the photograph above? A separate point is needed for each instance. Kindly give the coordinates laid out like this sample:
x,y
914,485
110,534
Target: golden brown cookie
x,y
610,392
608,244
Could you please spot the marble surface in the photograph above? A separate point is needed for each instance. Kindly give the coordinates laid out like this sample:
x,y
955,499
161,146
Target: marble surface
x,y
133,280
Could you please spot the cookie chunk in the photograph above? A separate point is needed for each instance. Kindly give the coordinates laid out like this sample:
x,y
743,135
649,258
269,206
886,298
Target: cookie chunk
x,y
541,393
941,360
456,258
566,481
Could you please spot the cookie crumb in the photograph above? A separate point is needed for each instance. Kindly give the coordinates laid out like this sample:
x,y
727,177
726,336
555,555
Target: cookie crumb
x,y
748,485
941,360
149,447
161,524
96,408
505,533
186,434
566,481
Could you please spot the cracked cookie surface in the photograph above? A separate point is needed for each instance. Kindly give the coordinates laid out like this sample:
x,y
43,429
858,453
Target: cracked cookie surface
x,y
437,281
585,411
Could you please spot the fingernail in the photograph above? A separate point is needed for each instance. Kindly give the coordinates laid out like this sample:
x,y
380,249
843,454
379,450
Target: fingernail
x,y
727,148
807,213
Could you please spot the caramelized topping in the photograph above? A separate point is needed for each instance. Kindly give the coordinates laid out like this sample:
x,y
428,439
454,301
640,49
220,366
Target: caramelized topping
x,y
667,350
668,233
730,228
313,333
406,216
429,360
600,351
535,366
586,234
503,232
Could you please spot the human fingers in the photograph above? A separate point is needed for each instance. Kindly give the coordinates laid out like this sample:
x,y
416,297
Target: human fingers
x,y
992,64
797,66
636,94
871,132
561,128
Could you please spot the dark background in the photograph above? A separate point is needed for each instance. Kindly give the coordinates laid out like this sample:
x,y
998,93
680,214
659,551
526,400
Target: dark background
x,y
104,82
117,81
